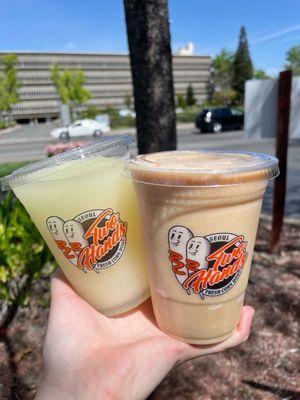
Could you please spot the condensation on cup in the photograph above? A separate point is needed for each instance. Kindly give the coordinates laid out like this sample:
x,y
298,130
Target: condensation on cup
x,y
200,212
87,213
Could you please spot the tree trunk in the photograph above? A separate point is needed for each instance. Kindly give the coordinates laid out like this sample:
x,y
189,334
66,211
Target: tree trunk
x,y
151,66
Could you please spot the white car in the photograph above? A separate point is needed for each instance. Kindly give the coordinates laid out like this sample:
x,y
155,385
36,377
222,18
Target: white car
x,y
81,127
127,113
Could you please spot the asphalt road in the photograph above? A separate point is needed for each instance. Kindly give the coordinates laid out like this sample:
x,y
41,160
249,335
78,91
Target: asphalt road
x,y
29,143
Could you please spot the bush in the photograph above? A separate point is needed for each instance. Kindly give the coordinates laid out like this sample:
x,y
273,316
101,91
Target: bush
x,y
181,102
57,148
7,168
90,112
116,121
7,123
190,97
24,257
188,115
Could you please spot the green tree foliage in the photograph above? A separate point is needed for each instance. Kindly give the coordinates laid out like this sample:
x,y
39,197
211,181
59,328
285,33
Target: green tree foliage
x,y
69,86
293,59
260,74
190,97
223,69
128,101
223,94
23,256
181,102
242,66
9,84
224,97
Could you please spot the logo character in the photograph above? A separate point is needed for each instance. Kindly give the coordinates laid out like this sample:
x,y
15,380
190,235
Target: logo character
x,y
178,238
55,226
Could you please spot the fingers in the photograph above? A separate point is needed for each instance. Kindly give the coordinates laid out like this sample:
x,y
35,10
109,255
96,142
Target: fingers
x,y
239,336
243,330
66,303
63,296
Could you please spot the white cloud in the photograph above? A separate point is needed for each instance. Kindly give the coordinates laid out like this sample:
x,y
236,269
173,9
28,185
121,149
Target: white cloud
x,y
276,34
290,39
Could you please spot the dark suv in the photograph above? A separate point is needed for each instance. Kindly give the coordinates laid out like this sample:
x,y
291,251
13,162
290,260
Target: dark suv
x,y
218,119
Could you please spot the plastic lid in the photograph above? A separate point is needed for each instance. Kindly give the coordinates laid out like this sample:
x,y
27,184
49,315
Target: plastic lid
x,y
201,168
107,147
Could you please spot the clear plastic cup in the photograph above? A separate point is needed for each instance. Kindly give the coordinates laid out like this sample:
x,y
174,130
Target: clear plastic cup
x,y
87,213
200,213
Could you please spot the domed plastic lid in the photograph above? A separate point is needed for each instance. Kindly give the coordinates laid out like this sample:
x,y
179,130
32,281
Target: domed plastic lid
x,y
117,146
202,168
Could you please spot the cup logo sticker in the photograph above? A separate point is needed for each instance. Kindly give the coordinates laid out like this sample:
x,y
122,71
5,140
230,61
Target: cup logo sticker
x,y
206,265
93,240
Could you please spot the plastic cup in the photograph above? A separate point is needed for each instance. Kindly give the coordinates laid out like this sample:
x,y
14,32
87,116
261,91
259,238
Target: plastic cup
x,y
87,213
200,212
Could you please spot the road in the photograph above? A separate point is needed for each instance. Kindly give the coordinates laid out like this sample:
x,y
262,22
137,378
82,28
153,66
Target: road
x,y
29,143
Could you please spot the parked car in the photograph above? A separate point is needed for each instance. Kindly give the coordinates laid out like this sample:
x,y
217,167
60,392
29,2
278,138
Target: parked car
x,y
126,112
81,127
218,119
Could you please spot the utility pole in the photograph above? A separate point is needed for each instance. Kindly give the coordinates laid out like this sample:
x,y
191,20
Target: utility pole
x,y
283,118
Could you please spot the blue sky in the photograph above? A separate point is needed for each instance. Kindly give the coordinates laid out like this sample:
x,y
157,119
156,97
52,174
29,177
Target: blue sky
x,y
273,26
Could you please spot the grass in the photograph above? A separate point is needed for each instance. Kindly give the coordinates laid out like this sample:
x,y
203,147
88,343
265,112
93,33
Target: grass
x,y
8,168
188,115
7,124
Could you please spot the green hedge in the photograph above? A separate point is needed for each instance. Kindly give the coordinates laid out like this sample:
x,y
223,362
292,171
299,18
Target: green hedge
x,y
24,256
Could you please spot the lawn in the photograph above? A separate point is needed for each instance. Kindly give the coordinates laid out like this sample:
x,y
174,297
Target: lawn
x,y
8,168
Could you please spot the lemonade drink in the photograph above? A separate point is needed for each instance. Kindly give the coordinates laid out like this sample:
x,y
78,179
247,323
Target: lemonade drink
x,y
87,214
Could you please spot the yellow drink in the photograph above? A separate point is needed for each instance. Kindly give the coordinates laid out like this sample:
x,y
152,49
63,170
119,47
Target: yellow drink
x,y
87,214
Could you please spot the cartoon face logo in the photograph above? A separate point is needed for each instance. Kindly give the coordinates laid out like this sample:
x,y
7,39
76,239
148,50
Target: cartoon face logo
x,y
75,234
55,226
197,249
73,230
178,237
93,240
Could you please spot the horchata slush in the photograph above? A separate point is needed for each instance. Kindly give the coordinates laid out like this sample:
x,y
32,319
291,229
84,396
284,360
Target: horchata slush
x,y
87,213
200,213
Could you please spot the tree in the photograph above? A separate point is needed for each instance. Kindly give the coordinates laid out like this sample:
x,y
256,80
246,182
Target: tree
x,y
181,102
242,67
190,97
260,74
223,70
69,86
224,97
127,101
151,66
222,92
9,84
293,58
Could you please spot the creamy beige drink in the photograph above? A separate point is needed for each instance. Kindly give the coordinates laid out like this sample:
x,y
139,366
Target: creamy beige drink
x,y
200,213
87,213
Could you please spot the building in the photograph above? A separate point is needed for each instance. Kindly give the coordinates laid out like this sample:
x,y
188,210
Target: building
x,y
187,50
108,77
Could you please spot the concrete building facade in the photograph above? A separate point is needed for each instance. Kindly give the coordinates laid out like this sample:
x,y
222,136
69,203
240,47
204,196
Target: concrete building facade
x,y
108,77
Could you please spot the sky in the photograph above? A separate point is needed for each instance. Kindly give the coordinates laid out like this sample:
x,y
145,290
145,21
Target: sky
x,y
273,26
